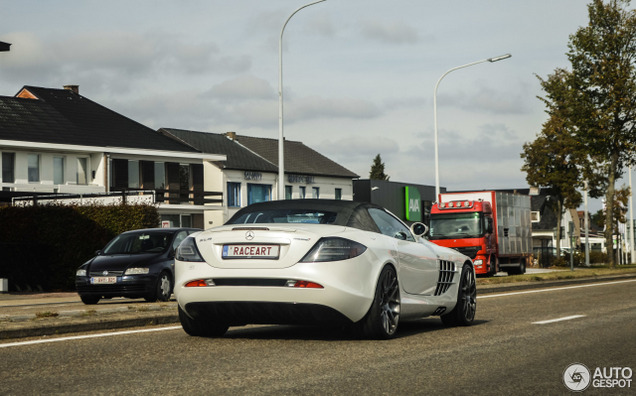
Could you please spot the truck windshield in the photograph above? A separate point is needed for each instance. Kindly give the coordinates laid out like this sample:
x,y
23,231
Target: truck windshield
x,y
456,225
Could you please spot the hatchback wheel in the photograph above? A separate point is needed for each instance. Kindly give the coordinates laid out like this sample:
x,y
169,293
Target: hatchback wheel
x,y
163,288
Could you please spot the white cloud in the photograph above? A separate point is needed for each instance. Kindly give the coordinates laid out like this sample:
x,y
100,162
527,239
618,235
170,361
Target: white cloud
x,y
243,87
394,32
317,107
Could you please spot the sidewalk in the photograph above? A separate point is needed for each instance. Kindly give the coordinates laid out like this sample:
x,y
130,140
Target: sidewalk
x,y
43,314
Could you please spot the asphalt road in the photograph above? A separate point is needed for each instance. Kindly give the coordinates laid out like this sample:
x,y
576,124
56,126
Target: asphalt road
x,y
510,350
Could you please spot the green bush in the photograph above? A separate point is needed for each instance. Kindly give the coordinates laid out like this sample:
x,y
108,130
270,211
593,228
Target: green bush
x,y
598,258
42,246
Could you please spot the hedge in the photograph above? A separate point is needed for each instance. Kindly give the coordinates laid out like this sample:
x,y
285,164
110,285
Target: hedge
x,y
42,246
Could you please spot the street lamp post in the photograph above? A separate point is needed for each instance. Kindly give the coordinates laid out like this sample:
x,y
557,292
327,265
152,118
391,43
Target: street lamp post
x,y
631,220
491,60
281,146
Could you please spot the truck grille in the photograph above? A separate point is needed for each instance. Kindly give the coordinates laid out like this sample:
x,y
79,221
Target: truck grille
x,y
470,251
446,274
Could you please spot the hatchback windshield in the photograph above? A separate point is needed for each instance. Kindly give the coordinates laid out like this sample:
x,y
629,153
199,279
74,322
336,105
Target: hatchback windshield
x,y
286,216
139,242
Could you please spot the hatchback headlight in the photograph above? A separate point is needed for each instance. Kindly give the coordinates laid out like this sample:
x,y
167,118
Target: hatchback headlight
x,y
137,271
80,272
187,251
333,249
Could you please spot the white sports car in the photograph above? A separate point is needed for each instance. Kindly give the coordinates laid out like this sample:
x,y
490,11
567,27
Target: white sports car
x,y
315,262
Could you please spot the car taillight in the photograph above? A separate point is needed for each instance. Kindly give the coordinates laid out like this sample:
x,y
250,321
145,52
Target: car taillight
x,y
303,284
333,249
188,251
200,283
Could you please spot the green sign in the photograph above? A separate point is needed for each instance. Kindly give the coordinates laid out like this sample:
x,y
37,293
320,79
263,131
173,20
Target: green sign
x,y
412,204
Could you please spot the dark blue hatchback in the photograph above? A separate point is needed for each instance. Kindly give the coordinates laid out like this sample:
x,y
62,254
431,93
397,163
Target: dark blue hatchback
x,y
136,264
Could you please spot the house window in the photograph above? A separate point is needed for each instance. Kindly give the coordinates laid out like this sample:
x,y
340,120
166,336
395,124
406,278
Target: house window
x,y
288,192
8,167
133,174
338,194
82,171
535,216
233,195
160,175
178,220
34,167
185,182
258,193
315,192
301,192
58,170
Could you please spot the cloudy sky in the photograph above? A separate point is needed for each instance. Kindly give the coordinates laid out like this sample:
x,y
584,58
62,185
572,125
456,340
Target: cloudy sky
x,y
359,75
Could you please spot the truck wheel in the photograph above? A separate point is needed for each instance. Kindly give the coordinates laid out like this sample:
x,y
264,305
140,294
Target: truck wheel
x,y
464,312
522,267
493,267
520,270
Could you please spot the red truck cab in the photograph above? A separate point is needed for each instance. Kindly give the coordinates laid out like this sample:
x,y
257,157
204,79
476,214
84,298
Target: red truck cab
x,y
468,227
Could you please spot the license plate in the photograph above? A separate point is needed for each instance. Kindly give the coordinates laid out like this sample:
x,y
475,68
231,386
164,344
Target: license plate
x,y
251,251
103,280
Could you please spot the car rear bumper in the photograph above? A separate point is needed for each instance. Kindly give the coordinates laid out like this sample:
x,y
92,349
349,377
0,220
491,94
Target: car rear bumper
x,y
239,313
346,294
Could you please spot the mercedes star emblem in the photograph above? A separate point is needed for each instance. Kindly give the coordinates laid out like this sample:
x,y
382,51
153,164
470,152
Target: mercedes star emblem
x,y
249,235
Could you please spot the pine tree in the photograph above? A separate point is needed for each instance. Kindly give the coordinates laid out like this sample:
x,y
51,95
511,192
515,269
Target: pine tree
x,y
377,169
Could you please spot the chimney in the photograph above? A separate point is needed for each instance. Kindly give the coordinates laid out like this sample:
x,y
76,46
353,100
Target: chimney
x,y
73,88
230,135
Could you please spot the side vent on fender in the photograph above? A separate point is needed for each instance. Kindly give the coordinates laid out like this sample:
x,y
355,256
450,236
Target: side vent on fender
x,y
446,274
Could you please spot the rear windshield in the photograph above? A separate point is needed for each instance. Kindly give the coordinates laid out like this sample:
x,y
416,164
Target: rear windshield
x,y
285,216
139,242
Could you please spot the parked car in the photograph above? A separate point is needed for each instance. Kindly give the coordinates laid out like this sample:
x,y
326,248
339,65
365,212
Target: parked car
x,y
319,261
134,264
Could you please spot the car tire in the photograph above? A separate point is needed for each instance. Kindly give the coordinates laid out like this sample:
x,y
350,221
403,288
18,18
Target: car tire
x,y
200,328
90,300
464,312
381,322
163,288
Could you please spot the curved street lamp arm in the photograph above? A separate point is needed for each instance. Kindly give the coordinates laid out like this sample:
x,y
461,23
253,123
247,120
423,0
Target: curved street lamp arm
x,y
281,154
491,60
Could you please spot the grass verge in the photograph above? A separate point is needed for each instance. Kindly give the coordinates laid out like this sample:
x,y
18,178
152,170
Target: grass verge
x,y
561,273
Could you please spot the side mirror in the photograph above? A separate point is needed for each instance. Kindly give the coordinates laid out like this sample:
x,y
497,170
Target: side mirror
x,y
419,229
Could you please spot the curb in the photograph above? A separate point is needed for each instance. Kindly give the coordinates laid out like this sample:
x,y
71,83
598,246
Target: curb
x,y
499,288
36,327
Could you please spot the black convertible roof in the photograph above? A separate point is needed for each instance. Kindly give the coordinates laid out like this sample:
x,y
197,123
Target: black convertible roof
x,y
348,213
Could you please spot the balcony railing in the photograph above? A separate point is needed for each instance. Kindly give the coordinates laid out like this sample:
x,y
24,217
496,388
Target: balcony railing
x,y
126,196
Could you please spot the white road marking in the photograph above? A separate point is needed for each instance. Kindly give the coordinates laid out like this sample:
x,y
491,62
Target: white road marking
x,y
559,319
116,333
555,289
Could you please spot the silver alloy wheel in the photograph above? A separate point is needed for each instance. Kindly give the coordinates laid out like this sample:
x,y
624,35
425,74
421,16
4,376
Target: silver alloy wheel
x,y
468,296
164,287
390,302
